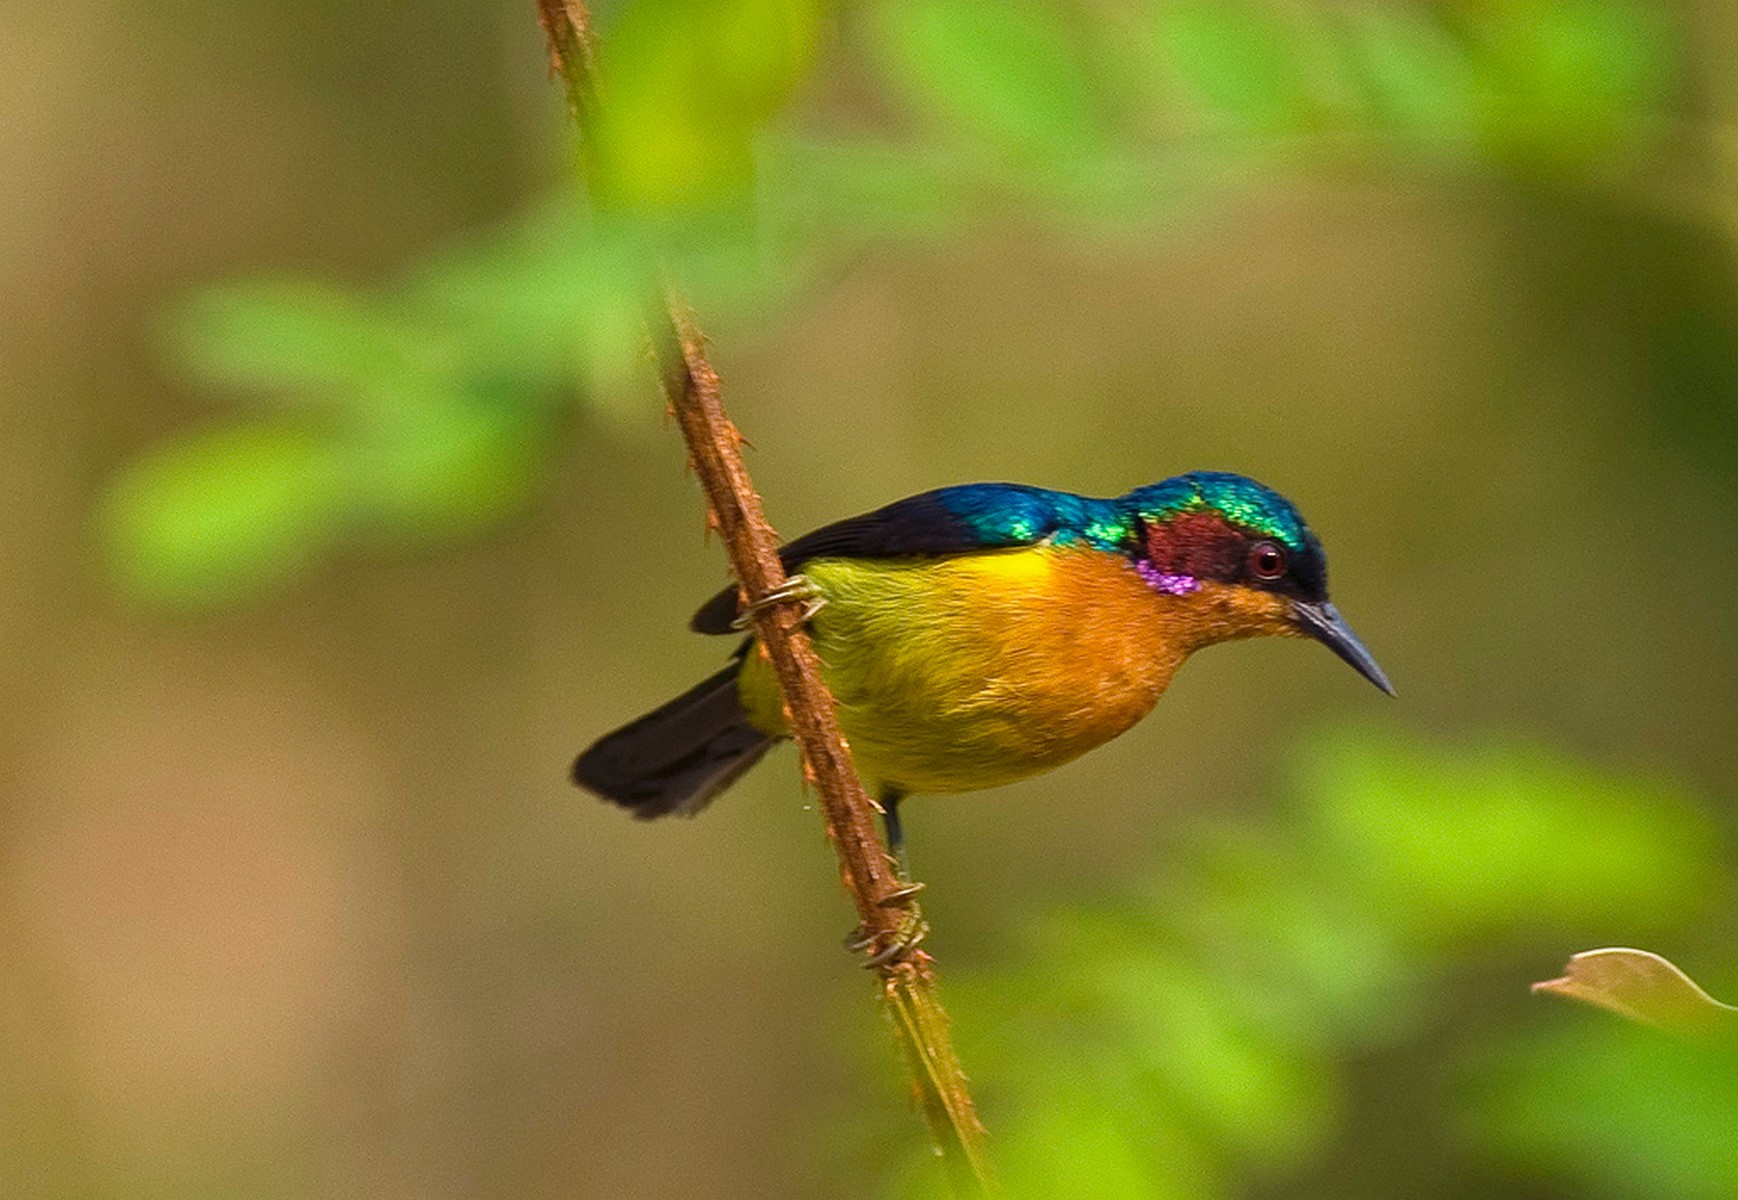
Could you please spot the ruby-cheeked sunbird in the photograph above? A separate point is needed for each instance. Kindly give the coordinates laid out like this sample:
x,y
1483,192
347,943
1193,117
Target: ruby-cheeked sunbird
x,y
980,634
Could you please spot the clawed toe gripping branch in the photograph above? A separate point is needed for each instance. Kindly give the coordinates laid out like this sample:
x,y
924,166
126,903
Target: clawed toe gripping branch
x,y
776,608
796,587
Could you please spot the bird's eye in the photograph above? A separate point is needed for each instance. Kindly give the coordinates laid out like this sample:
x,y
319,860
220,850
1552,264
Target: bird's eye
x,y
1267,561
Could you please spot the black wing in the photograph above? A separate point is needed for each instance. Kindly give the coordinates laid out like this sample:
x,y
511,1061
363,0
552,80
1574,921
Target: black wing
x,y
952,520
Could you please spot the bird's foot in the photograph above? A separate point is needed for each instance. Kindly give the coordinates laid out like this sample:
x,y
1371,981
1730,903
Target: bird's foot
x,y
895,946
797,587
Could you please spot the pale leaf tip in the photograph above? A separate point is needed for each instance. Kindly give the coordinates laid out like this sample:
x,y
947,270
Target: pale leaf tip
x,y
1640,986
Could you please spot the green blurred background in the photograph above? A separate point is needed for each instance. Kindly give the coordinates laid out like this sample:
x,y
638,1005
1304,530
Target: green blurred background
x,y
339,515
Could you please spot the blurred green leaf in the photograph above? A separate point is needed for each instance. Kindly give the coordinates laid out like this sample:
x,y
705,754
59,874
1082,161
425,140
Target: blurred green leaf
x,y
1622,1111
448,466
293,338
1013,73
220,516
1463,846
849,189
556,303
1076,1145
1117,189
1228,1073
1569,80
1239,63
1320,964
761,51
1418,81
689,82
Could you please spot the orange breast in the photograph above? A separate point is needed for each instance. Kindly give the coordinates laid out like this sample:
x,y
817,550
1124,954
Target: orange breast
x,y
970,672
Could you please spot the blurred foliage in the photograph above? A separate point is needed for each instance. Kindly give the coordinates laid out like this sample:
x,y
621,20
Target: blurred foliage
x,y
1614,1110
430,409
1200,1038
686,86
380,423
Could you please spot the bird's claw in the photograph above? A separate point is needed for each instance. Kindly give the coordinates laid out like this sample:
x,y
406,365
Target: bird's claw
x,y
906,938
898,943
901,896
797,587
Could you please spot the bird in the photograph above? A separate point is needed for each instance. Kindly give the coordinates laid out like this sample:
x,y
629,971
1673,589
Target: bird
x,y
980,634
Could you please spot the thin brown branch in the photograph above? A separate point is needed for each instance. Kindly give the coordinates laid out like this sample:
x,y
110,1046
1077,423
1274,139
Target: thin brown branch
x,y
567,26
715,449
691,386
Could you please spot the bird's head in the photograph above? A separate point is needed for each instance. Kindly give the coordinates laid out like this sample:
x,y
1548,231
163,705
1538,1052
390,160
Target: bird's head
x,y
1241,563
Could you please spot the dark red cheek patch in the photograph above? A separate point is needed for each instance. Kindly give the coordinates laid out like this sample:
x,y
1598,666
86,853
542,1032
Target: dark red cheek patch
x,y
1199,545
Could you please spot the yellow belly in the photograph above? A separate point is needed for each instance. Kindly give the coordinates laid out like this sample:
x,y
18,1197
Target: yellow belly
x,y
971,672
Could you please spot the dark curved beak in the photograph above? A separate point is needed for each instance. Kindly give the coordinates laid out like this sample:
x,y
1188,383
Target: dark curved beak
x,y
1324,623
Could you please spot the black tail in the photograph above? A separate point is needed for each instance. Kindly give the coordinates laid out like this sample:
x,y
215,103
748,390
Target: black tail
x,y
675,759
